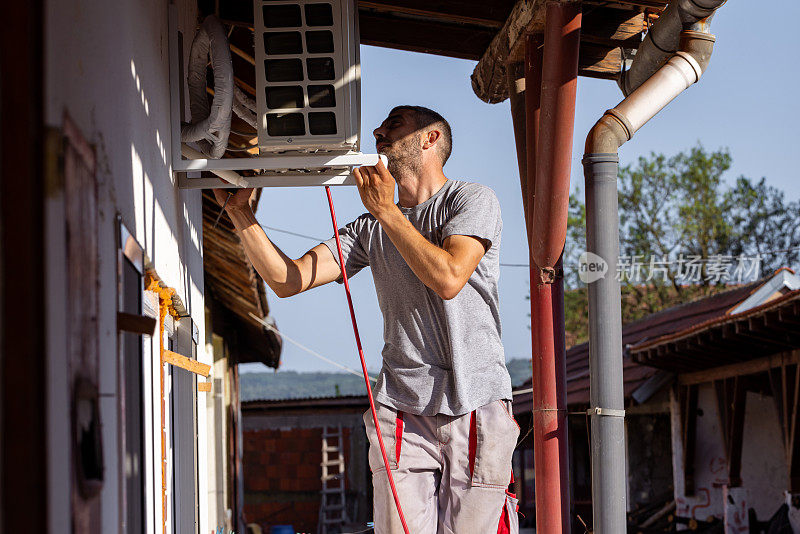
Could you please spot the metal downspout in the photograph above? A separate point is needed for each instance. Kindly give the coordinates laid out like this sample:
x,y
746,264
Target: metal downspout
x,y
663,39
515,78
600,163
605,349
533,109
548,170
525,83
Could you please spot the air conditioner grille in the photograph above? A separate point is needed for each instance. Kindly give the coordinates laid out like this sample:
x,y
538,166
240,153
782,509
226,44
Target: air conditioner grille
x,y
307,75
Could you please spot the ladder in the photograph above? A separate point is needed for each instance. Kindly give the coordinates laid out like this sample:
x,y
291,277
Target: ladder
x,y
332,513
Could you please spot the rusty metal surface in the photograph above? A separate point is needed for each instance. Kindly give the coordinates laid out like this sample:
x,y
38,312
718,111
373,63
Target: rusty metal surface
x,y
554,148
550,425
637,334
533,93
551,84
516,82
757,332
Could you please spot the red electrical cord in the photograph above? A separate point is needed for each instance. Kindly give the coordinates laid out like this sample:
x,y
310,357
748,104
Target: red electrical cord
x,y
364,363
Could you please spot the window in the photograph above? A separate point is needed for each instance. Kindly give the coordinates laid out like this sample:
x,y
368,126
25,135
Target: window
x,y
130,290
183,426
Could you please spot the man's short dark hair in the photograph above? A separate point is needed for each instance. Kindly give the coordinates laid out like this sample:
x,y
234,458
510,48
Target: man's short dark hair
x,y
426,118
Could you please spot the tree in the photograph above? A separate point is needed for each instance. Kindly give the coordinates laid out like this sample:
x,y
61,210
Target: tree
x,y
576,239
763,224
672,208
677,217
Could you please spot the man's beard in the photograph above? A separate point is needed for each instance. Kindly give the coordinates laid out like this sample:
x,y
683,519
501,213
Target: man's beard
x,y
405,157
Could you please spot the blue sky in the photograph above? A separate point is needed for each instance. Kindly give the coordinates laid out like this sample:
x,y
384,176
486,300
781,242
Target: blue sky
x,y
746,101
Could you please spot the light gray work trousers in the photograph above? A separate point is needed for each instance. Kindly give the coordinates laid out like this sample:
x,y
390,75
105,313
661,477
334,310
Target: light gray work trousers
x,y
451,472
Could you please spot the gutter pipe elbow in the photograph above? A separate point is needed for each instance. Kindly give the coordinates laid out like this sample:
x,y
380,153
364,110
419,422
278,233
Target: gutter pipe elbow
x,y
699,45
684,68
608,134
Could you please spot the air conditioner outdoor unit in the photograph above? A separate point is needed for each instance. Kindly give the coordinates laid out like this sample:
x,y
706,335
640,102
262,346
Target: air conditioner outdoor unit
x,y
307,99
307,75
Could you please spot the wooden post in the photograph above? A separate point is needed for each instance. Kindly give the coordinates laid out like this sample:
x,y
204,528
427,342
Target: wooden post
x,y
689,396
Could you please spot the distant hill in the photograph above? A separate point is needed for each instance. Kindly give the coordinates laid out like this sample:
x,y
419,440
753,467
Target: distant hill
x,y
520,370
293,385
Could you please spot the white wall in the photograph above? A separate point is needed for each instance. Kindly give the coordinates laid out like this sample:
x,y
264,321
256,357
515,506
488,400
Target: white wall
x,y
710,464
106,65
764,472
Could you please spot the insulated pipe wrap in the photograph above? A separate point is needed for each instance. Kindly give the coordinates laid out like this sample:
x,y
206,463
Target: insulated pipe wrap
x,y
229,176
244,107
210,127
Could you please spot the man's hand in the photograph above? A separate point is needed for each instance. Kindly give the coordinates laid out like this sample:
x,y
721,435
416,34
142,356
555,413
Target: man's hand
x,y
376,187
284,275
444,269
239,198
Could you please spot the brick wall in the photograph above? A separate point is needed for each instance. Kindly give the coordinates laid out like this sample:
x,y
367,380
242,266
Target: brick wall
x,y
282,476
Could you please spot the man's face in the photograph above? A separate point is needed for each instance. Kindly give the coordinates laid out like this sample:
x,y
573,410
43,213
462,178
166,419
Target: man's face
x,y
399,139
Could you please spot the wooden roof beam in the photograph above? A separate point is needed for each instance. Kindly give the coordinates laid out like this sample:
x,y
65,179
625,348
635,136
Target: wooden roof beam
x,y
488,78
701,356
745,330
612,27
429,37
605,32
738,369
487,14
653,4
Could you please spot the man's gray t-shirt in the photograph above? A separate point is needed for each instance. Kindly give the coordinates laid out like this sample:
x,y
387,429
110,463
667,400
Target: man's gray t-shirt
x,y
440,356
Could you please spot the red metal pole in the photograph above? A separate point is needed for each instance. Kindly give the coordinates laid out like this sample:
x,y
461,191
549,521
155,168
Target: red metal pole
x,y
515,79
549,178
533,92
549,413
554,148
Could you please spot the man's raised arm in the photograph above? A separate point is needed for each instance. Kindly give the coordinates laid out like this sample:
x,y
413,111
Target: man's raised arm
x,y
285,276
445,269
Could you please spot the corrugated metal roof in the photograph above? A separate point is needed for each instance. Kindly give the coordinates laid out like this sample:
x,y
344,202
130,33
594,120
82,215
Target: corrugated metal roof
x,y
306,402
670,320
763,330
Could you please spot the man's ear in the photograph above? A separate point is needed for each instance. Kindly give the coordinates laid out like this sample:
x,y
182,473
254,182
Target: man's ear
x,y
431,138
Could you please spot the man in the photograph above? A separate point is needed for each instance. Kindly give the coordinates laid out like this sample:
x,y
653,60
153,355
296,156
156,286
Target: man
x,y
443,394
